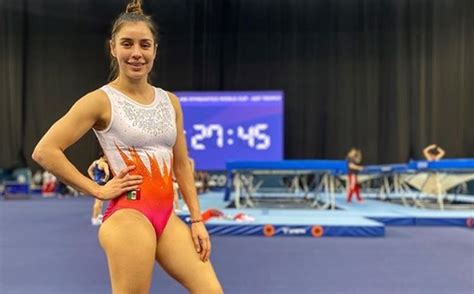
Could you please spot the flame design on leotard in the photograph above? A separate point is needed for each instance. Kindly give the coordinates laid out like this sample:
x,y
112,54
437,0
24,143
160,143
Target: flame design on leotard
x,y
156,190
153,179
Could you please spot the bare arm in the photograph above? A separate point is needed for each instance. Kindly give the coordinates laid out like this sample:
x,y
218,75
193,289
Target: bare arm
x,y
426,152
49,152
182,168
185,178
440,154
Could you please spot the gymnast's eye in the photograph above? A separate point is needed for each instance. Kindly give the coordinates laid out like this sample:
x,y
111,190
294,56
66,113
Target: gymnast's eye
x,y
146,44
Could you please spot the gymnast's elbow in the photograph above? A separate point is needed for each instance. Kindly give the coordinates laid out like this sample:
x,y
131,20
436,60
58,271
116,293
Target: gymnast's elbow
x,y
40,154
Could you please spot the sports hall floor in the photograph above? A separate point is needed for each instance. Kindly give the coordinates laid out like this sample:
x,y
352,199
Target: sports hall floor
x,y
49,246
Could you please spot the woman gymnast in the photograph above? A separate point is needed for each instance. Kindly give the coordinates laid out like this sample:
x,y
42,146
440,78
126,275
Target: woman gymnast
x,y
433,152
140,129
100,173
354,158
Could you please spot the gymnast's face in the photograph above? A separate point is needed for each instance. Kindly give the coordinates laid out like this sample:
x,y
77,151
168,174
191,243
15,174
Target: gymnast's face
x,y
135,50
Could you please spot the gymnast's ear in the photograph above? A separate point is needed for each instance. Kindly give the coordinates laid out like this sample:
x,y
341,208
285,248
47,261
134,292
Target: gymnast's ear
x,y
112,48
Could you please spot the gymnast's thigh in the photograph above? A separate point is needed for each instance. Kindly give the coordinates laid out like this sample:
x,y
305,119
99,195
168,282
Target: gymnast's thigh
x,y
176,254
129,242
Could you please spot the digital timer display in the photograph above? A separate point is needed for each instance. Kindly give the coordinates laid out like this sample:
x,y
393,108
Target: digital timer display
x,y
223,126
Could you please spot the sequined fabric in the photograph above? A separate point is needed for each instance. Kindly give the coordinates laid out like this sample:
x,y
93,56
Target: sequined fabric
x,y
154,121
149,129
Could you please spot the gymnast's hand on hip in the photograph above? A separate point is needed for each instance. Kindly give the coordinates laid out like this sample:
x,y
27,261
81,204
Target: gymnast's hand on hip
x,y
202,243
120,184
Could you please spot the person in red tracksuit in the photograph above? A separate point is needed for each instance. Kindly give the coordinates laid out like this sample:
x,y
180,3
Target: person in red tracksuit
x,y
354,158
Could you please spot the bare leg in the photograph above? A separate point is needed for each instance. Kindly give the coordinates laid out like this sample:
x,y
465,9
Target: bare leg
x,y
129,241
176,254
97,208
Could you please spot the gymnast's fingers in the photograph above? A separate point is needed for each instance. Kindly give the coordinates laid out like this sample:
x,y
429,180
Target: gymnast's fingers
x,y
125,171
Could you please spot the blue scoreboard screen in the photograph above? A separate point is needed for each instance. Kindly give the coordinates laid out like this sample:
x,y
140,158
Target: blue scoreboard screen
x,y
224,126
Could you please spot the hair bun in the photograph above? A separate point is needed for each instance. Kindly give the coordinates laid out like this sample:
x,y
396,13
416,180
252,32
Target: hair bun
x,y
134,7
